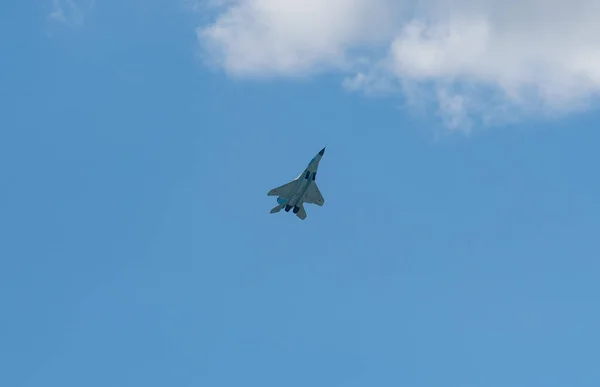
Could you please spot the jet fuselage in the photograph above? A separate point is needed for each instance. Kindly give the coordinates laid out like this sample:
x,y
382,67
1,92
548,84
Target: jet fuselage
x,y
303,189
305,179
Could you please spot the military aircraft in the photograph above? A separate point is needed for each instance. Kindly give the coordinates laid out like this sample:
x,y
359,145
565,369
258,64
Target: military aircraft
x,y
302,189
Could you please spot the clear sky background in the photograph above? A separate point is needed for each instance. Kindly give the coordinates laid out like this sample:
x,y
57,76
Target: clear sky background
x,y
137,248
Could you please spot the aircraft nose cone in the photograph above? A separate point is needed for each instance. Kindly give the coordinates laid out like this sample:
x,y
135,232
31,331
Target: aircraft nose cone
x,y
322,152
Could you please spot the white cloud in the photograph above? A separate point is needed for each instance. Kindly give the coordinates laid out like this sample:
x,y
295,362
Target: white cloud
x,y
296,37
70,11
531,55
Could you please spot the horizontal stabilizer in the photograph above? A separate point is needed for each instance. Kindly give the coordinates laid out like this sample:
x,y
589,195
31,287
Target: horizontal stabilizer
x,y
301,213
277,208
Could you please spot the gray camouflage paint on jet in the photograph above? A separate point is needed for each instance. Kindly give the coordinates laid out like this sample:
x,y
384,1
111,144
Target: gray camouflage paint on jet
x,y
302,189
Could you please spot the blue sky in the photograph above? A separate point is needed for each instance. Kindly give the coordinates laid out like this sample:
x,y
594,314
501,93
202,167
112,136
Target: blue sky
x,y
138,248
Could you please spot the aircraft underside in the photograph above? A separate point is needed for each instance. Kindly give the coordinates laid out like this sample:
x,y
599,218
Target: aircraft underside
x,y
288,208
300,191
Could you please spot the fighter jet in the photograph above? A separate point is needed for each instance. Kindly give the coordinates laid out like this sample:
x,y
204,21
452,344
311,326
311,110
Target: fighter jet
x,y
302,189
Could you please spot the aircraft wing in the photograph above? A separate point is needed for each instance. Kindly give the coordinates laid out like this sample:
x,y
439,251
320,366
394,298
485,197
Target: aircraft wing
x,y
313,195
284,191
